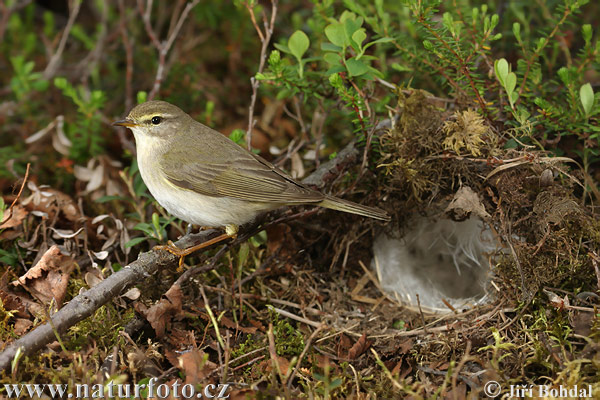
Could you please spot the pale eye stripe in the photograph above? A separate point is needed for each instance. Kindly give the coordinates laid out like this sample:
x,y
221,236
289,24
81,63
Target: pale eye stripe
x,y
148,119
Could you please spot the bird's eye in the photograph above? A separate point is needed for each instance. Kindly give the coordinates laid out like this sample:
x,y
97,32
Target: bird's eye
x,y
156,120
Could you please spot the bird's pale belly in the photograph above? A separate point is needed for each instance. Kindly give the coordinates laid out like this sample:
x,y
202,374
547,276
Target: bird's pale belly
x,y
204,210
197,208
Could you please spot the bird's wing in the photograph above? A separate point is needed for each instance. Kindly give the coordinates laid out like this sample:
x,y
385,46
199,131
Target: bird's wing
x,y
231,171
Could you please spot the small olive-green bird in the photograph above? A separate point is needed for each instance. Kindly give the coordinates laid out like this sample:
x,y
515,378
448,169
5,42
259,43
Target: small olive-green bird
x,y
204,178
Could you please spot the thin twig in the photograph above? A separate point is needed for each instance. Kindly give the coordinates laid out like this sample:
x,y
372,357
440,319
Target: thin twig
x,y
306,347
56,58
164,47
86,303
128,57
265,39
12,205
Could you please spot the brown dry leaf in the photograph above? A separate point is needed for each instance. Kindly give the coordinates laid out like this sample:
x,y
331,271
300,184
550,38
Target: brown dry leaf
x,y
195,366
582,322
228,323
48,279
160,314
257,324
267,365
23,306
344,344
16,218
50,201
465,202
361,345
22,325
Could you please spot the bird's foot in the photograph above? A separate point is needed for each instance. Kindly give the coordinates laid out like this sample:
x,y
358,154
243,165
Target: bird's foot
x,y
182,253
176,251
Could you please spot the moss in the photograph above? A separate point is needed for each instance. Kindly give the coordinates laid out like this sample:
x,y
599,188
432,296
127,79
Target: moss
x,y
289,341
103,327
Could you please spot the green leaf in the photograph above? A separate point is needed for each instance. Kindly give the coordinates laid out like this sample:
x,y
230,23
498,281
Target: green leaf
x,y
298,44
517,30
400,67
351,25
330,47
40,85
359,36
135,241
60,82
586,31
356,67
586,95
335,34
283,48
380,40
335,69
501,70
511,82
332,58
142,97
237,135
513,97
156,221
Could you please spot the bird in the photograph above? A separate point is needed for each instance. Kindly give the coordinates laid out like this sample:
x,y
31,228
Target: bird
x,y
204,178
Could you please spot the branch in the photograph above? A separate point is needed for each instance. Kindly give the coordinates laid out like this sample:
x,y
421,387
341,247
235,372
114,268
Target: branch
x,y
164,47
265,39
55,60
85,304
148,263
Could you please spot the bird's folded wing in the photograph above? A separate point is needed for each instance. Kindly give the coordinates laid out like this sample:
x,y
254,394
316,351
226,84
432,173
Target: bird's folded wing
x,y
244,176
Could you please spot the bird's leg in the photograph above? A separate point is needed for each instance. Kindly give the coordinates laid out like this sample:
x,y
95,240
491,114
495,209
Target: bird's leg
x,y
230,232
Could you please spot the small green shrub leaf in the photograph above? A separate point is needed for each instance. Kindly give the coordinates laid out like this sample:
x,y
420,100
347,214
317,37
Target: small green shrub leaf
x,y
135,241
298,44
359,36
356,67
511,82
586,95
335,34
283,48
330,47
332,58
501,70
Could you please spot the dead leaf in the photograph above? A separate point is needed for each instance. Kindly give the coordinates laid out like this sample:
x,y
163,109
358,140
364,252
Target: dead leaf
x,y
48,202
22,325
582,322
16,218
228,323
267,365
465,202
160,314
361,345
195,366
48,279
344,344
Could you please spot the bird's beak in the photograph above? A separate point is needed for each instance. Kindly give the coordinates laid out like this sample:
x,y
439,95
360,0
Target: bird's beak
x,y
129,123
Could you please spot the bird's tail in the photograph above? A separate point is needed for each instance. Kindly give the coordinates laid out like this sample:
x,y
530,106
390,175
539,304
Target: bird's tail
x,y
335,203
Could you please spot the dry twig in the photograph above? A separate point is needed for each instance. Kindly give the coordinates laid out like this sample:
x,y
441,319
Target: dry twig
x,y
56,58
162,47
265,39
12,205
